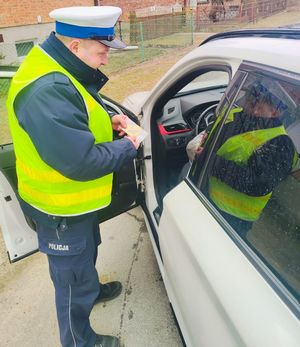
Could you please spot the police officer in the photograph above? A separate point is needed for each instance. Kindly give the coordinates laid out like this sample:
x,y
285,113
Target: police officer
x,y
65,158
254,156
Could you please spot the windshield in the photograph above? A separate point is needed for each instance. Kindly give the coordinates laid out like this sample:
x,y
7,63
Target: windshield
x,y
207,80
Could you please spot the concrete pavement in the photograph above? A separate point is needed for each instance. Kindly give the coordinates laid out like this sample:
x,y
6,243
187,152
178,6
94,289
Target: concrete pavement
x,y
140,316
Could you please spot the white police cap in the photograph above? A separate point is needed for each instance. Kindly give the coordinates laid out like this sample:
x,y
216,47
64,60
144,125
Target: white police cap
x,y
93,22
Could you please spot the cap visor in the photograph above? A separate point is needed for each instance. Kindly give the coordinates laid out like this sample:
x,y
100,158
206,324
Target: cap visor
x,y
117,44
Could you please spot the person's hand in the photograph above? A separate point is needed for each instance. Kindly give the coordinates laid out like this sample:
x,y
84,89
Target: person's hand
x,y
118,122
196,145
134,141
200,149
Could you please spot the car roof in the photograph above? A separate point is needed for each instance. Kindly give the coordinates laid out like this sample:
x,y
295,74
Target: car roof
x,y
279,52
288,32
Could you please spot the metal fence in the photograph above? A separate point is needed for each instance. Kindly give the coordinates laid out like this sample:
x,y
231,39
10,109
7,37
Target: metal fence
x,y
235,13
156,35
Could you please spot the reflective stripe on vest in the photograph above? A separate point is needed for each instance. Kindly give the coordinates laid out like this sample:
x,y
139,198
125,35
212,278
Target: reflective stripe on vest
x,y
235,203
39,184
229,118
238,149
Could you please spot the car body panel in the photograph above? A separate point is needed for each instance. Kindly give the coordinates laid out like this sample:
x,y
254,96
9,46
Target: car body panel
x,y
19,238
215,303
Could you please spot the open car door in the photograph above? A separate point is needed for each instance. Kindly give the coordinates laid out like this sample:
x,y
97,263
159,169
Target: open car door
x,y
19,230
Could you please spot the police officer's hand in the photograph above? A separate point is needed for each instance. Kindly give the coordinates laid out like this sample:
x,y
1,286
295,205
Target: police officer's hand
x,y
118,122
134,141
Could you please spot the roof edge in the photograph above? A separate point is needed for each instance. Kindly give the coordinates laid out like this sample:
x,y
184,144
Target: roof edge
x,y
285,33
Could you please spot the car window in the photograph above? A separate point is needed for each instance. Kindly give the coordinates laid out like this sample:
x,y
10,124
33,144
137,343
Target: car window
x,y
206,80
221,111
253,179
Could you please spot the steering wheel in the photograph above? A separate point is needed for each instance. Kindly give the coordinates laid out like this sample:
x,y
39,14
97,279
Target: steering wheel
x,y
205,118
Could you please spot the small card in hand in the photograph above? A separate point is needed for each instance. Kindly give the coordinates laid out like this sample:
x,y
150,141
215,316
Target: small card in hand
x,y
133,129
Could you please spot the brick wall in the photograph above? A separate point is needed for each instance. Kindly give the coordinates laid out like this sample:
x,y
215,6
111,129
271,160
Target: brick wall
x,y
132,5
24,12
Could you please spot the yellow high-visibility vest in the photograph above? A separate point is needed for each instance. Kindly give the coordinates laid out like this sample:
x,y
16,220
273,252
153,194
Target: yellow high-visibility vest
x,y
39,184
238,149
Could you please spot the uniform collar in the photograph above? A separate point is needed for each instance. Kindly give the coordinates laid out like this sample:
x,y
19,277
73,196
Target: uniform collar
x,y
77,68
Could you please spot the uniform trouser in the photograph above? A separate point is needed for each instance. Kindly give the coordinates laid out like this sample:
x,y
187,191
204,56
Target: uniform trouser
x,y
72,253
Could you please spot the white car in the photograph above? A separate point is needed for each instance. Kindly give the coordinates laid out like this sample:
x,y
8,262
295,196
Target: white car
x,y
227,287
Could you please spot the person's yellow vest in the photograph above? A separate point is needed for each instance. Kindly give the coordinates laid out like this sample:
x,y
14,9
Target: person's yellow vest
x,y
238,149
39,184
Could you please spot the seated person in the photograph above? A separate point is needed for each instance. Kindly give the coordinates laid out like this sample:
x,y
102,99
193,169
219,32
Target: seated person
x,y
254,154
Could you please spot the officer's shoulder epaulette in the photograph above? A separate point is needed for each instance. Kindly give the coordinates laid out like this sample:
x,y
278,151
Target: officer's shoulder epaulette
x,y
60,78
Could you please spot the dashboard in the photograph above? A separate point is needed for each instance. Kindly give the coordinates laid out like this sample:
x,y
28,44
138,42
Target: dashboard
x,y
180,115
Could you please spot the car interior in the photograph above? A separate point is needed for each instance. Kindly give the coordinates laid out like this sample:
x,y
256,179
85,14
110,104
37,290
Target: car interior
x,y
186,109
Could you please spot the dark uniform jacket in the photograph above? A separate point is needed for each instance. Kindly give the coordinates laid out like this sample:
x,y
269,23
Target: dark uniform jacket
x,y
53,113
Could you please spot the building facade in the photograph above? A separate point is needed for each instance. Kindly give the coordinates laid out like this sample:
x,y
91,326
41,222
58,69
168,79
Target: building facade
x,y
26,23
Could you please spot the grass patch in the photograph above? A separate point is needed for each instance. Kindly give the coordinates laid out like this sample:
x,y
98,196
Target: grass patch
x,y
171,41
122,60
141,77
5,136
4,86
154,48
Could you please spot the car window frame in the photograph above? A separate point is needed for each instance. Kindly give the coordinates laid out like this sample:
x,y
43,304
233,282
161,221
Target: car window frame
x,y
222,102
265,271
168,94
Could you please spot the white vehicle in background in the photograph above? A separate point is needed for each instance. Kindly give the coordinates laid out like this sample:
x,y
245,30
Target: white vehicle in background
x,y
226,289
